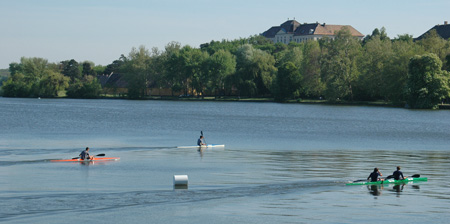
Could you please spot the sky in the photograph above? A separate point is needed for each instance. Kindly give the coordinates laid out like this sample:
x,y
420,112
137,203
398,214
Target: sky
x,y
101,31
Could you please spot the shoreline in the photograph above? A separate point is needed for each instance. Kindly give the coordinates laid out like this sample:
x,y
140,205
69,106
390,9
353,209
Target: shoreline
x,y
256,100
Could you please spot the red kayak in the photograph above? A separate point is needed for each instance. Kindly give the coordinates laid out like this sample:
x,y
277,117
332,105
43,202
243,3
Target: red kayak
x,y
87,160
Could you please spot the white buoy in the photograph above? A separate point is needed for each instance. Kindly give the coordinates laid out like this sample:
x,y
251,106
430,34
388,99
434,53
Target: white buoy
x,y
180,180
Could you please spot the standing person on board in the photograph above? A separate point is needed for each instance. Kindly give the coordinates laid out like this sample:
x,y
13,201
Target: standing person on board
x,y
398,173
201,141
374,175
85,154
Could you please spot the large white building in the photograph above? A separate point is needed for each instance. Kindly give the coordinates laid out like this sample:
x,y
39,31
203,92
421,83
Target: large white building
x,y
292,30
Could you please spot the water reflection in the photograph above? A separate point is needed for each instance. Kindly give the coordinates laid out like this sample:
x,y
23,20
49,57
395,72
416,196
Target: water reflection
x,y
398,188
375,190
200,151
180,187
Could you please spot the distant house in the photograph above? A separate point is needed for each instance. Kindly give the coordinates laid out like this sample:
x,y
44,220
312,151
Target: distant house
x,y
442,30
292,30
113,84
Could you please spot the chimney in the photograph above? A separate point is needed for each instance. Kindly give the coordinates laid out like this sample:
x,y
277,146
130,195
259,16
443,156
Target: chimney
x,y
445,22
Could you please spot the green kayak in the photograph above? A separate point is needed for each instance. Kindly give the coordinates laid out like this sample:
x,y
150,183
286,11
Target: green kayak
x,y
391,181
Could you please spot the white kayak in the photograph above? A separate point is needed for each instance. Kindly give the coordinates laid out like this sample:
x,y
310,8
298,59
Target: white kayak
x,y
203,146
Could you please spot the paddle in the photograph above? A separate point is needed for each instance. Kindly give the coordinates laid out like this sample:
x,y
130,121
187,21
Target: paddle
x,y
359,180
201,132
413,176
102,154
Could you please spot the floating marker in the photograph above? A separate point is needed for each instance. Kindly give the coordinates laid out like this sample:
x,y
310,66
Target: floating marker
x,y
180,180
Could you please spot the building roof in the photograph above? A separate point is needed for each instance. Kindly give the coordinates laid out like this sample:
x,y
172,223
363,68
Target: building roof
x,y
298,29
112,80
441,30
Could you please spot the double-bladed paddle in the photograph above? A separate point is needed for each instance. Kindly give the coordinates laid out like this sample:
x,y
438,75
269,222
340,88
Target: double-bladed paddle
x,y
413,176
102,154
201,132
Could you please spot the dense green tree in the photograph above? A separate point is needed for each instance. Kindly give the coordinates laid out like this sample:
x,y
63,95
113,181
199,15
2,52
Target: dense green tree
x,y
395,73
16,86
87,88
115,66
34,77
99,69
427,84
34,68
88,68
173,67
221,66
433,43
287,83
293,55
447,63
340,68
255,70
51,83
15,68
136,71
226,45
157,69
404,37
378,33
376,55
71,69
195,70
310,70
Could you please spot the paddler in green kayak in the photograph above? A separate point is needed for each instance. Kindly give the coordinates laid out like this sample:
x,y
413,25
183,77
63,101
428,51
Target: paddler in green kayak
x,y
398,173
85,155
374,175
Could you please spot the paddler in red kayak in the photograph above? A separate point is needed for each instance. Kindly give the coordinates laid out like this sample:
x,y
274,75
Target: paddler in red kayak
x,y
85,155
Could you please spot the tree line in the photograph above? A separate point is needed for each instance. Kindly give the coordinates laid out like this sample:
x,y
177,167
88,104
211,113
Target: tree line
x,y
399,71
36,77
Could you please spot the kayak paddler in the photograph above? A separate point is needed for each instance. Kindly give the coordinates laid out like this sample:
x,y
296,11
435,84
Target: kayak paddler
x,y
374,175
201,141
85,154
398,173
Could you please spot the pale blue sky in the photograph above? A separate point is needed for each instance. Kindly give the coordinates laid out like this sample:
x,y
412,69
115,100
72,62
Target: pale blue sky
x,y
101,30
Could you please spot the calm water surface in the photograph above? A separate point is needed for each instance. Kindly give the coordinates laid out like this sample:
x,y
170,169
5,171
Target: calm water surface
x,y
283,163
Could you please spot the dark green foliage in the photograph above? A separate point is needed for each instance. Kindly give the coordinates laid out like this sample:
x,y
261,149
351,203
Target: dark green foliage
x,y
34,77
255,70
340,68
70,68
287,83
114,67
136,71
87,69
87,88
16,86
427,84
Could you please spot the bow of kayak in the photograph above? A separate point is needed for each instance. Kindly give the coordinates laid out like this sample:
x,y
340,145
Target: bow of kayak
x,y
391,181
89,160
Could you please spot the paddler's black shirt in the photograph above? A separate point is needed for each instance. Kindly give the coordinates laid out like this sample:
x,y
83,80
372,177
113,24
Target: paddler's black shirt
x,y
397,174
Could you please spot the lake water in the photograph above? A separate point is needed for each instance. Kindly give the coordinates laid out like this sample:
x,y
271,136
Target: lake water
x,y
282,163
